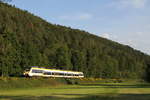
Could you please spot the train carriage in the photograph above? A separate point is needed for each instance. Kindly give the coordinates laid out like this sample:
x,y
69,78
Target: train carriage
x,y
44,72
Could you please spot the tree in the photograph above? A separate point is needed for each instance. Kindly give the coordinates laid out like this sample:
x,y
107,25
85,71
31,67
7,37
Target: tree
x,y
6,56
63,58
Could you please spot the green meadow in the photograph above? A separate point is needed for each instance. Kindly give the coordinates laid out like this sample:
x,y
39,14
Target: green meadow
x,y
82,91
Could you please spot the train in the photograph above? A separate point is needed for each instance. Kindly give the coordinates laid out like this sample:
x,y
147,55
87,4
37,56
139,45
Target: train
x,y
45,72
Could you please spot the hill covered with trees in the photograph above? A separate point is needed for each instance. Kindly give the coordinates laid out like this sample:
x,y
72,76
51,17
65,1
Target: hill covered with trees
x,y
27,40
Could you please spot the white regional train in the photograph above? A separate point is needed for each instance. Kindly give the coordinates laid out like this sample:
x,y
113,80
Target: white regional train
x,y
43,72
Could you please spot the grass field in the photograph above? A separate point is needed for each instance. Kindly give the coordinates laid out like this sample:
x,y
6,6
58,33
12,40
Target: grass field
x,y
106,91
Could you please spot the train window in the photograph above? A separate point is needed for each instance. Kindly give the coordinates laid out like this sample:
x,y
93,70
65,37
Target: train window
x,y
76,75
80,74
61,74
56,73
47,73
69,74
37,71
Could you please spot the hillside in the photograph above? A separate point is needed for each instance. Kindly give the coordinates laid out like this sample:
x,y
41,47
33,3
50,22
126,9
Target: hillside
x,y
27,40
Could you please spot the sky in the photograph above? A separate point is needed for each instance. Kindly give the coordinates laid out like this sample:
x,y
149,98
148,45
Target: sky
x,y
124,21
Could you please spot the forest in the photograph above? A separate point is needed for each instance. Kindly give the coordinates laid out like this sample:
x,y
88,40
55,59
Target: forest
x,y
27,40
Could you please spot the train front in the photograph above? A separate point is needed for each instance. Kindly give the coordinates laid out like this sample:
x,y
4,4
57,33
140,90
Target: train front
x,y
26,72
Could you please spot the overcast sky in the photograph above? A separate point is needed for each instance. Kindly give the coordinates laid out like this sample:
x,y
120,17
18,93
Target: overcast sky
x,y
124,21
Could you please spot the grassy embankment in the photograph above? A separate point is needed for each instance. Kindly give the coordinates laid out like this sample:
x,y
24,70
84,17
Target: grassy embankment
x,y
87,89
21,83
